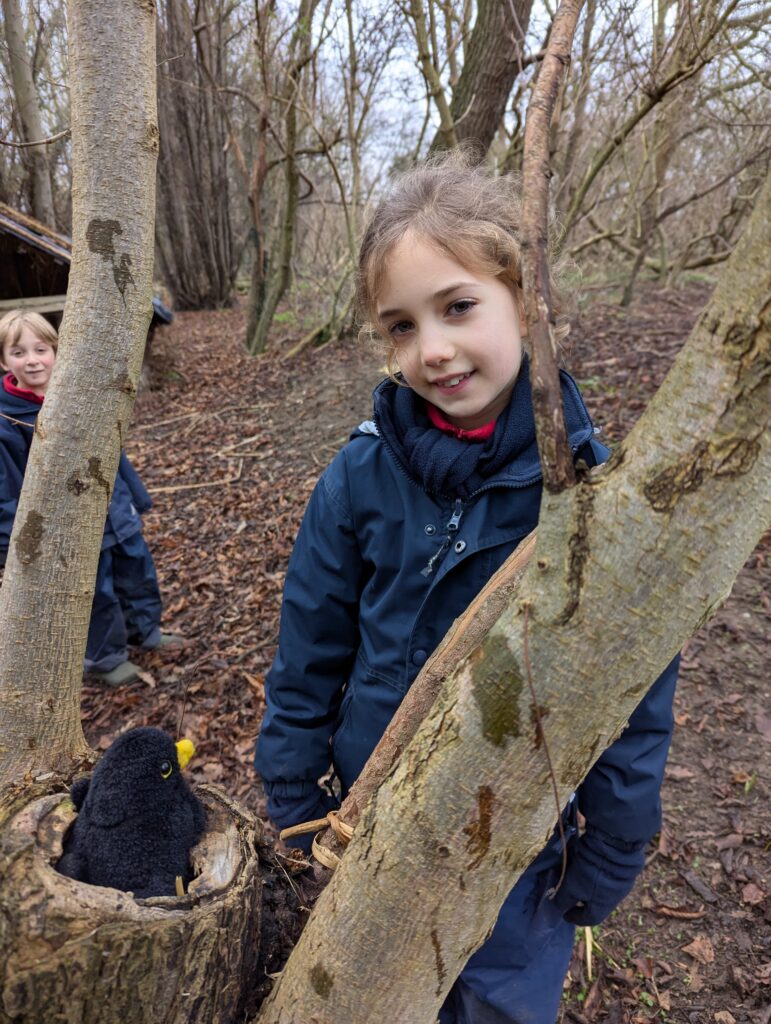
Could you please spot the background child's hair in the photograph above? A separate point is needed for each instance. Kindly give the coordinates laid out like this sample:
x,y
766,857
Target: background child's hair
x,y
14,322
460,207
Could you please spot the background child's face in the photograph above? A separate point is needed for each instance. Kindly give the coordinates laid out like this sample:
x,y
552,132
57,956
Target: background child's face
x,y
457,334
30,360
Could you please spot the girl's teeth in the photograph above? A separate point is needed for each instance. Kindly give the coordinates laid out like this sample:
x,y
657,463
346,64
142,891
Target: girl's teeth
x,y
455,380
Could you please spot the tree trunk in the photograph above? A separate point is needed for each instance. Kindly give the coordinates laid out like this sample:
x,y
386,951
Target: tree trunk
x,y
490,68
280,273
197,255
46,596
470,802
82,954
25,95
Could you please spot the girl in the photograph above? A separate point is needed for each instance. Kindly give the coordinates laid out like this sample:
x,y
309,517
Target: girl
x,y
404,528
127,602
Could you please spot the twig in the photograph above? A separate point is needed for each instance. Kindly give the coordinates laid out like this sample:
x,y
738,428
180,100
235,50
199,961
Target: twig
x,y
39,142
556,457
19,423
208,483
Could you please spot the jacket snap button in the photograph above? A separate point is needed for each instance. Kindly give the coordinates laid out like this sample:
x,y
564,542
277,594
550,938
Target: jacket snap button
x,y
430,529
419,657
460,545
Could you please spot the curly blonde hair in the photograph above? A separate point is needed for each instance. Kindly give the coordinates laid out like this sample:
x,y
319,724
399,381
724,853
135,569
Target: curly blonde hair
x,y
461,208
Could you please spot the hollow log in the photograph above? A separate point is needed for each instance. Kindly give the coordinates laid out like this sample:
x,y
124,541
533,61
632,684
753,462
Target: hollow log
x,y
82,954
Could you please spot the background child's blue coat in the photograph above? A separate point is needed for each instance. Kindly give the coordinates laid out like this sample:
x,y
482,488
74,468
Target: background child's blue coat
x,y
361,616
126,598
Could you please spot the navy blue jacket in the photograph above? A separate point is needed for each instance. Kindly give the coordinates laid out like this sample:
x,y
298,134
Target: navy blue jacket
x,y
129,497
361,614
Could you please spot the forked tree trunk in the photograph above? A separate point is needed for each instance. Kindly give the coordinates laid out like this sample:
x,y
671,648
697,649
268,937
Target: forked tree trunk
x,y
628,564
493,57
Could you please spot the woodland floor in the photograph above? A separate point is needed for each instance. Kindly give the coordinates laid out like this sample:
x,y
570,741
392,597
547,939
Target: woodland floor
x,y
231,447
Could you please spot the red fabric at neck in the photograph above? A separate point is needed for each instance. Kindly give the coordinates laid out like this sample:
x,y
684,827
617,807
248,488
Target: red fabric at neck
x,y
477,434
11,385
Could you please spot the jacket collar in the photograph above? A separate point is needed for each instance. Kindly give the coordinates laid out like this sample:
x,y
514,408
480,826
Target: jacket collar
x,y
525,468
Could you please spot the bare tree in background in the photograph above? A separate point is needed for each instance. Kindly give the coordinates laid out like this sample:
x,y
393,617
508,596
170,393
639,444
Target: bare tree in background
x,y
197,241
27,110
492,61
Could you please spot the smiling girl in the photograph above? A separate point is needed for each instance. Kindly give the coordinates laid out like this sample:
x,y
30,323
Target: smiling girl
x,y
403,530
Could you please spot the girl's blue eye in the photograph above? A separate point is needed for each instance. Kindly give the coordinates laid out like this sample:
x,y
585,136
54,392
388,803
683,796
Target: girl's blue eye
x,y
461,306
401,327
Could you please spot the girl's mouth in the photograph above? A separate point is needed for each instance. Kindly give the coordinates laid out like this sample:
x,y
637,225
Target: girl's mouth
x,y
453,383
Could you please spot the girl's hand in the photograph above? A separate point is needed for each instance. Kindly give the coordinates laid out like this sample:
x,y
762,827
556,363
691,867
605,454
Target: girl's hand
x,y
601,872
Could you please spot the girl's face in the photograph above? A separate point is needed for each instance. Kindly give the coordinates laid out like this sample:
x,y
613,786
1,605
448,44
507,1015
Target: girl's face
x,y
30,360
456,334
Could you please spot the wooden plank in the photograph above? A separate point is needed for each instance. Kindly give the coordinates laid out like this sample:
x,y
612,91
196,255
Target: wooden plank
x,y
35,304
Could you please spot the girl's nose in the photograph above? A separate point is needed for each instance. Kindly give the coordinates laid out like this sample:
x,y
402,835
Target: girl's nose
x,y
435,347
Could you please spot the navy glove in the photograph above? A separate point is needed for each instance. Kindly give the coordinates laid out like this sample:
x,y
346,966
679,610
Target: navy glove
x,y
286,811
601,872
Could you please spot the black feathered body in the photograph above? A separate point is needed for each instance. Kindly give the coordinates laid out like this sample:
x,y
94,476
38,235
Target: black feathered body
x,y
136,824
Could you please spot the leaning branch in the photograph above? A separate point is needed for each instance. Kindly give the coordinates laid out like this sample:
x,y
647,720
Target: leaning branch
x,y
556,457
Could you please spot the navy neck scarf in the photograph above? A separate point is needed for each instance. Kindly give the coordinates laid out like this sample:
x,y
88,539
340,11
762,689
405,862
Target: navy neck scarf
x,y
443,464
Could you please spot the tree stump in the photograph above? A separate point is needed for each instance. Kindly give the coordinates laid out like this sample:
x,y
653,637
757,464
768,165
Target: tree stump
x,y
82,954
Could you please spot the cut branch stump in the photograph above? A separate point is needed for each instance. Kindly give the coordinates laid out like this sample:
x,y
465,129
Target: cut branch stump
x,y
82,954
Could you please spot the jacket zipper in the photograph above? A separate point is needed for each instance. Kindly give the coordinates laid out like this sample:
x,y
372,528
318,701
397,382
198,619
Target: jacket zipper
x,y
452,527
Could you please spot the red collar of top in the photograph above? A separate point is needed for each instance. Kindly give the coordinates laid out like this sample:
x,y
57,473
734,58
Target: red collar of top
x,y
11,385
477,434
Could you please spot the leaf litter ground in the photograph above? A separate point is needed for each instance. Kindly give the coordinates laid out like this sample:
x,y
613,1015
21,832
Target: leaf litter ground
x,y
231,446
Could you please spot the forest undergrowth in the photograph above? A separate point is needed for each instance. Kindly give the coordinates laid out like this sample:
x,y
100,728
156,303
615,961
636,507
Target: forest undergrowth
x,y
230,448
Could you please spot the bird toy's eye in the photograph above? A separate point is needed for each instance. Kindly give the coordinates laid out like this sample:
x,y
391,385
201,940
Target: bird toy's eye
x,y
166,769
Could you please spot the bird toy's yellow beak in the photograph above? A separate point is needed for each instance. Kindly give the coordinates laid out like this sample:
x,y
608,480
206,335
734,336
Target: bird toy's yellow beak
x,y
185,751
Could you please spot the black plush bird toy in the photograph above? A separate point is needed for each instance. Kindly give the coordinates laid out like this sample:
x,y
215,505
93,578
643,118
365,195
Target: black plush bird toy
x,y
137,817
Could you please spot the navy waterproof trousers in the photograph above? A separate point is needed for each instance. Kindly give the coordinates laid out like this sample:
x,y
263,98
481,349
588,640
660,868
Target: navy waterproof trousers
x,y
516,977
127,604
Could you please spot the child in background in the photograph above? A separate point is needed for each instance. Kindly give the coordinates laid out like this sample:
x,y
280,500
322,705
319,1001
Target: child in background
x,y
127,602
404,528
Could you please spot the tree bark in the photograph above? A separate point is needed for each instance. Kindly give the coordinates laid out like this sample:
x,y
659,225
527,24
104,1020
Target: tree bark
x,y
556,457
629,563
47,590
35,158
490,68
82,954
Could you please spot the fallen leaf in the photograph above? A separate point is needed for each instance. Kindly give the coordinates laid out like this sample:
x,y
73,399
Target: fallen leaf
x,y
752,894
699,886
724,1017
700,949
697,982
147,677
732,842
677,772
665,1001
